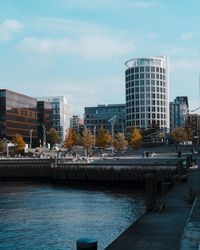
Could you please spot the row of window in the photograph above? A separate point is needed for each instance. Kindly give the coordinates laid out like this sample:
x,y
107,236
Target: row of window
x,y
145,96
142,123
145,76
146,115
145,69
146,82
145,102
146,109
145,89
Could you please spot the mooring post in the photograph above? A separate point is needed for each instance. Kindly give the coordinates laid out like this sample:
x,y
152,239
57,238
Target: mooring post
x,y
151,192
86,244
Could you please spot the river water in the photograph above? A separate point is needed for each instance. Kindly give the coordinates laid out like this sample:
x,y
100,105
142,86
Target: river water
x,y
35,216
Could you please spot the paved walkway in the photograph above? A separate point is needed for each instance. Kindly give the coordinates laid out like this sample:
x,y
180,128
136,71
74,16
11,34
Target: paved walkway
x,y
159,231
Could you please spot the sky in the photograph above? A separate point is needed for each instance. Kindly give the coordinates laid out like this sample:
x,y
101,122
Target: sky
x,y
77,48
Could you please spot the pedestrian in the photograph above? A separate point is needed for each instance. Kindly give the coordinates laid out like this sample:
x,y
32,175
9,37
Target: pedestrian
x,y
179,154
147,154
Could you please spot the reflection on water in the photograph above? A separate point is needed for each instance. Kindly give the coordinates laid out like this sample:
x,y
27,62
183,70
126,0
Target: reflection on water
x,y
51,217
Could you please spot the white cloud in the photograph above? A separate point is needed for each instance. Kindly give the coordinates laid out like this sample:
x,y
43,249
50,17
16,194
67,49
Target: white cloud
x,y
8,28
189,35
90,47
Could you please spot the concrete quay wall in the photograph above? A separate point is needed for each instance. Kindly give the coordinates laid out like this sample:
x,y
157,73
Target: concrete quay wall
x,y
109,172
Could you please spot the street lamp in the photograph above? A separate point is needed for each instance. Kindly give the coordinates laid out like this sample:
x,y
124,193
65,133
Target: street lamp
x,y
30,133
112,121
95,129
44,135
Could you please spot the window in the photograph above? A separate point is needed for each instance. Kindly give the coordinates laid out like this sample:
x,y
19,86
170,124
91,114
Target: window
x,y
152,69
147,69
136,76
147,75
153,76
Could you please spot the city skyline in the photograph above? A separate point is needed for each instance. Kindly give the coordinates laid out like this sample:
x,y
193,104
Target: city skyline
x,y
78,50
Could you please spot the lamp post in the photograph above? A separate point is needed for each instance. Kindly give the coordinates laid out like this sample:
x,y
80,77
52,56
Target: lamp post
x,y
112,122
30,133
95,129
44,135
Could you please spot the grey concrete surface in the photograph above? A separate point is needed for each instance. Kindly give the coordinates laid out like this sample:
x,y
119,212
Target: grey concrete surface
x,y
160,230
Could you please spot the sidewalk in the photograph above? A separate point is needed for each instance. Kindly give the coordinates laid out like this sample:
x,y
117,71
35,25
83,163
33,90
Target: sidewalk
x,y
158,231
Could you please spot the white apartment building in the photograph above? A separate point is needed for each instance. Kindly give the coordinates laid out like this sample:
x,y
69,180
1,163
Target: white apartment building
x,y
147,89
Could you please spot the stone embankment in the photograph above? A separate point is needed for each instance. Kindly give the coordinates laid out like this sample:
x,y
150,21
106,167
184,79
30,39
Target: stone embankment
x,y
118,172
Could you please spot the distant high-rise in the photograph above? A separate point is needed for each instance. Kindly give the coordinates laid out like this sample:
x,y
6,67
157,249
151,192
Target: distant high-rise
x,y
147,92
178,112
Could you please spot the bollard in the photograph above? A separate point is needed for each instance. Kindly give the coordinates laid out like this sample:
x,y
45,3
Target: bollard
x,y
87,244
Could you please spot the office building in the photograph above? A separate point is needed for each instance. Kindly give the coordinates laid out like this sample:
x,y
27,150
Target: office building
x,y
77,122
95,117
192,121
61,114
178,112
18,115
147,92
44,121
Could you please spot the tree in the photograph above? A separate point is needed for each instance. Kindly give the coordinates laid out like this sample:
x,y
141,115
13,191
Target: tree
x,y
189,133
120,142
77,138
53,137
178,135
136,138
103,138
69,140
2,146
19,144
87,140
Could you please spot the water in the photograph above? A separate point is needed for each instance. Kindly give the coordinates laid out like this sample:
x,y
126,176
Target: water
x,y
34,216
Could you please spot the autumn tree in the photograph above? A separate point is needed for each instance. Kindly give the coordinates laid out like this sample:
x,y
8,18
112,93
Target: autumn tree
x,y
53,137
120,143
178,135
2,145
69,140
77,138
19,143
136,138
189,133
87,140
103,138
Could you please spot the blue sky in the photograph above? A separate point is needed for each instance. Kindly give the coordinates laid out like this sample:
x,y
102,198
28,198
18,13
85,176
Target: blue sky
x,y
77,48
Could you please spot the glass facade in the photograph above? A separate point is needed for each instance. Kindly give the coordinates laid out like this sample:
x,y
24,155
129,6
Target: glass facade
x,y
18,115
95,117
61,114
44,119
146,82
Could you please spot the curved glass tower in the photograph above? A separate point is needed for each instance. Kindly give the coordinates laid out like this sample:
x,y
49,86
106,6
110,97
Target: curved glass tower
x,y
147,92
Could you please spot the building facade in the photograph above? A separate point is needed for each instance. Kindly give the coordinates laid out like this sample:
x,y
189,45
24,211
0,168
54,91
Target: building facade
x,y
147,92
61,114
100,116
193,122
178,112
18,115
44,120
77,122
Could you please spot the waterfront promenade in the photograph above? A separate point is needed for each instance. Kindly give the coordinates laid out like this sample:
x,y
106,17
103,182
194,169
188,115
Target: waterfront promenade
x,y
164,230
